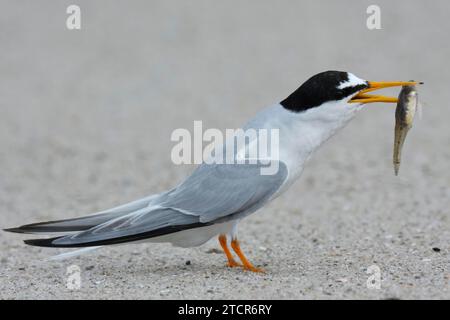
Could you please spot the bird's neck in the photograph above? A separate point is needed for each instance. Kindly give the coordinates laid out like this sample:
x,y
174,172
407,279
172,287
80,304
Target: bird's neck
x,y
301,133
305,132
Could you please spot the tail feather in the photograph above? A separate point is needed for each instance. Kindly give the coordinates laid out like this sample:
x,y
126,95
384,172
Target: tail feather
x,y
135,222
82,223
67,225
73,253
53,243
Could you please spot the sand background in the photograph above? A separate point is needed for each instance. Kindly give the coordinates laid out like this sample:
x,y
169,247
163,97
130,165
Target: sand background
x,y
86,118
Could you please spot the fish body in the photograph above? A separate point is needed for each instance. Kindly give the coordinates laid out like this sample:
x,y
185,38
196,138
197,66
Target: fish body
x,y
404,116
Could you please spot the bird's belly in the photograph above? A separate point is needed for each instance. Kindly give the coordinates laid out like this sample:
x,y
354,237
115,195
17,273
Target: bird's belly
x,y
195,237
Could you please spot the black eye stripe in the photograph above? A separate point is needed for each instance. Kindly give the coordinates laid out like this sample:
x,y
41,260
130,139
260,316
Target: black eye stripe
x,y
350,90
319,89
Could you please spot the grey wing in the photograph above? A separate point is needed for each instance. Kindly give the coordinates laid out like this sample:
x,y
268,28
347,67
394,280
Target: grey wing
x,y
213,193
220,191
86,222
139,225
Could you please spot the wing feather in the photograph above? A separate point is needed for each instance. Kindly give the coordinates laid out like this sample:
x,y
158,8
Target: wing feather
x,y
213,193
219,190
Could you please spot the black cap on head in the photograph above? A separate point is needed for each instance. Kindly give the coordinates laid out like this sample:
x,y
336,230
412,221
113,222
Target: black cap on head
x,y
321,88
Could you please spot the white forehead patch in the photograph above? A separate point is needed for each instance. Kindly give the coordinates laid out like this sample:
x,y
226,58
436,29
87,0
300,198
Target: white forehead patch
x,y
351,82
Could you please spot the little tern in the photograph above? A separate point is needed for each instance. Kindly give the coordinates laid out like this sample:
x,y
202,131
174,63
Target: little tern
x,y
215,197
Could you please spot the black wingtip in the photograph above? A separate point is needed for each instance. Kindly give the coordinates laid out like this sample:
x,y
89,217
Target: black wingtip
x,y
15,230
29,228
46,227
41,242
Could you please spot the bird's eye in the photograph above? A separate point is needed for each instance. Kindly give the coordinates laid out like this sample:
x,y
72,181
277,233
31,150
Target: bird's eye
x,y
349,91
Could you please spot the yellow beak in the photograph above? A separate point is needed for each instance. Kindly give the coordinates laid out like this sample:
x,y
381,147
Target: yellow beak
x,y
363,97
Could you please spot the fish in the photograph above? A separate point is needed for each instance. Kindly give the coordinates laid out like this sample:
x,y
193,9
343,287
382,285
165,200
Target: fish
x,y
407,105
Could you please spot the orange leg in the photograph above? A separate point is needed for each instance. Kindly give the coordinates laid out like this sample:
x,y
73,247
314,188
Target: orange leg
x,y
247,264
223,244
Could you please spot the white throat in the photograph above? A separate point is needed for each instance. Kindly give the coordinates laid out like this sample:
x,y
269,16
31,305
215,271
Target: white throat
x,y
302,133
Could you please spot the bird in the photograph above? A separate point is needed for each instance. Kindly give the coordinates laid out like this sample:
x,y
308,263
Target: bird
x,y
217,196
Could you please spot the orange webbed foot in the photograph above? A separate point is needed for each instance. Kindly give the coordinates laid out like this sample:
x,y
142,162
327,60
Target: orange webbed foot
x,y
247,264
233,264
254,269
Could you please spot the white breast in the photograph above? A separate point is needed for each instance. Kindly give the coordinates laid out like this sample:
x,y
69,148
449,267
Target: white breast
x,y
302,133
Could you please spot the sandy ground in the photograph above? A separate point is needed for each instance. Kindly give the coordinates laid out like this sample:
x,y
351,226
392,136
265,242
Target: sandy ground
x,y
85,124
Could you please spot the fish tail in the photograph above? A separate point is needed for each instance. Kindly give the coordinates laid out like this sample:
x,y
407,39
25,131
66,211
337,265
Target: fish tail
x,y
396,168
399,139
